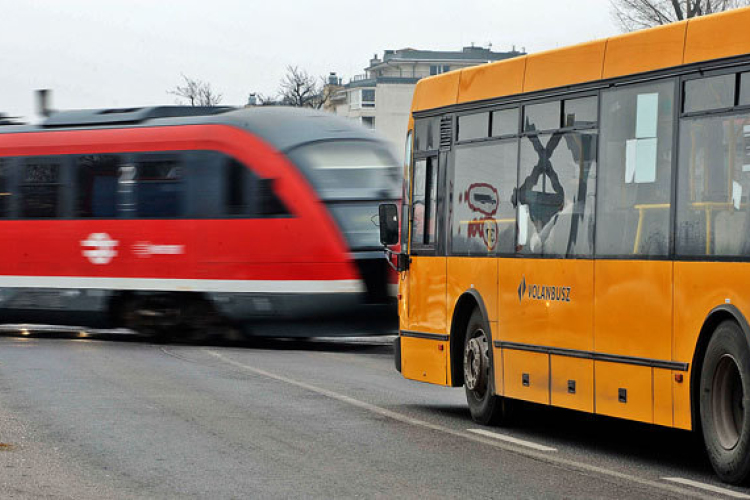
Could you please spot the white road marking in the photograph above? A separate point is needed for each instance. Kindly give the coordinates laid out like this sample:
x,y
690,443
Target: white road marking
x,y
542,457
708,487
520,442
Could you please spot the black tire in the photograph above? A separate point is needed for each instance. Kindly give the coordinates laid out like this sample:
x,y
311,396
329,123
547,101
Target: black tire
x,y
486,408
724,391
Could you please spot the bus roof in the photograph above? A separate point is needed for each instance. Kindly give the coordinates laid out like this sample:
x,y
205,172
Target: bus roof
x,y
282,127
699,39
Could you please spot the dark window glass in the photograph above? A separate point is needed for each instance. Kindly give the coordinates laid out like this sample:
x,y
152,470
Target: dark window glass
x,y
483,216
368,95
476,126
541,116
713,186
5,189
97,185
635,170
424,206
40,187
715,92
239,186
580,112
159,191
505,122
745,88
556,194
427,134
269,203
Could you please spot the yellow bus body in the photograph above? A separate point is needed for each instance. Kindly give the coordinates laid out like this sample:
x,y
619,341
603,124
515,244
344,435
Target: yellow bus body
x,y
640,309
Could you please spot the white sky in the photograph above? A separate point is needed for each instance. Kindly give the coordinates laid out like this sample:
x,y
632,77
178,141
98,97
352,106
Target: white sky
x,y
122,53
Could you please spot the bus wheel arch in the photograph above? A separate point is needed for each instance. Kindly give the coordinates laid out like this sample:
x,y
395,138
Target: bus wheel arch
x,y
721,390
465,307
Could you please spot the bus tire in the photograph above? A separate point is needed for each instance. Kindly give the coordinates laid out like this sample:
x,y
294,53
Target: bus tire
x,y
486,408
724,398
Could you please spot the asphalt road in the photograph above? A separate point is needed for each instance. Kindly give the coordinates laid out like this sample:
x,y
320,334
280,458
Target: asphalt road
x,y
327,418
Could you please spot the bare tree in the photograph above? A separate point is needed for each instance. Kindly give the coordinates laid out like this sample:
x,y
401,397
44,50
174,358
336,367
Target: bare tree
x,y
637,14
197,93
300,89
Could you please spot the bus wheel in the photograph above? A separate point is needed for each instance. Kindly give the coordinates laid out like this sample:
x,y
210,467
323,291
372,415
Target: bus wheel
x,y
724,393
486,408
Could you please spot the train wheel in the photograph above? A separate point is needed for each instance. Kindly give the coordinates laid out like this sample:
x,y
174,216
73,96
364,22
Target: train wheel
x,y
724,403
486,408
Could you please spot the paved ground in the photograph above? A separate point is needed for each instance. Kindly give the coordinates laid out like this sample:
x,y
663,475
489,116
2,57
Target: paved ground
x,y
325,418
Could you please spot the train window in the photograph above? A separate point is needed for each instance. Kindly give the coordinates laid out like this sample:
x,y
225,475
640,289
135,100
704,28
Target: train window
x,y
40,187
476,126
239,186
544,116
159,187
269,204
5,190
505,122
97,185
703,94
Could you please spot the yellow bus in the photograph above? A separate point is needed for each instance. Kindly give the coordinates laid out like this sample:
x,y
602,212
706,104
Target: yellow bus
x,y
576,232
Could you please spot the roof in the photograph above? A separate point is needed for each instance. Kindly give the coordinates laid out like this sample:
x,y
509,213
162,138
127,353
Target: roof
x,y
699,39
469,55
282,127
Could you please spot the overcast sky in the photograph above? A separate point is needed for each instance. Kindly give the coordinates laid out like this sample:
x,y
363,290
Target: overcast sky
x,y
122,53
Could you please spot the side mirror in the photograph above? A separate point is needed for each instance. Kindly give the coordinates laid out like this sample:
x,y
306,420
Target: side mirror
x,y
388,222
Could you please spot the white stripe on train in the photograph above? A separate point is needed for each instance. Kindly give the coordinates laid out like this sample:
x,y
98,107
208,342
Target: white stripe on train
x,y
185,285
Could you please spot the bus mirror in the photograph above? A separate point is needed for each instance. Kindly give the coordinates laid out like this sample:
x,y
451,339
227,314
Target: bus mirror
x,y
388,222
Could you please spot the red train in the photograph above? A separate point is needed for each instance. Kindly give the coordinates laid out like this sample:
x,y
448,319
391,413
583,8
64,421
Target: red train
x,y
159,218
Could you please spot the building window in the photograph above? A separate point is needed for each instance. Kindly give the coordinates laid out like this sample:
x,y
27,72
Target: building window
x,y
368,121
436,69
368,98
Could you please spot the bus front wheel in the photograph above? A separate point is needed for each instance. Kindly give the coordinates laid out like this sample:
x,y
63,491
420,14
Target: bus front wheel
x,y
486,408
725,403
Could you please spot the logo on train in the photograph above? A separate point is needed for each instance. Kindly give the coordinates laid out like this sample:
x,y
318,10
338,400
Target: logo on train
x,y
99,248
543,292
145,249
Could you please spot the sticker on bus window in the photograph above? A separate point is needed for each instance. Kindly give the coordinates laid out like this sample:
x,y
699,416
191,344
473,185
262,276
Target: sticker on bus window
x,y
736,194
647,116
645,161
523,224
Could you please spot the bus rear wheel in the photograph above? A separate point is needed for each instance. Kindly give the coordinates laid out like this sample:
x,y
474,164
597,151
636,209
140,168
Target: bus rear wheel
x,y
486,408
724,408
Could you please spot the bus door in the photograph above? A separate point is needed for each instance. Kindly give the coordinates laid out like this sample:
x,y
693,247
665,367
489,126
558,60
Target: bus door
x,y
424,340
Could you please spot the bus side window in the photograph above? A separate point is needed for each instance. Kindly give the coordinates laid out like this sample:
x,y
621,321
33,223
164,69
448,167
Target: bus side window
x,y
635,171
424,202
41,187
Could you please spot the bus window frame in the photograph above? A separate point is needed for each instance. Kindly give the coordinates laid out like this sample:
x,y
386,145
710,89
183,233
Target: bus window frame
x,y
421,248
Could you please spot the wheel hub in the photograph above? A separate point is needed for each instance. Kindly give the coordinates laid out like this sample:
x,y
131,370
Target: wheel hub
x,y
476,363
727,402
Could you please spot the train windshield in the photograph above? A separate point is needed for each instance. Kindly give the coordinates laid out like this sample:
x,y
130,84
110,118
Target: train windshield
x,y
350,169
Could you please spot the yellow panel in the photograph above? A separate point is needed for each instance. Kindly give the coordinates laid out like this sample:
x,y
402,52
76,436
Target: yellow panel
x,y
636,380
488,81
535,365
663,397
699,287
581,372
645,50
567,66
683,418
436,91
424,360
717,36
480,274
427,287
633,310
497,355
525,317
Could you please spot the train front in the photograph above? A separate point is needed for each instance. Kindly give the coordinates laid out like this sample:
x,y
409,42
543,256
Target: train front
x,y
352,177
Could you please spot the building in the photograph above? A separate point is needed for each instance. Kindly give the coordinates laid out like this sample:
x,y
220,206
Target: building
x,y
381,97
